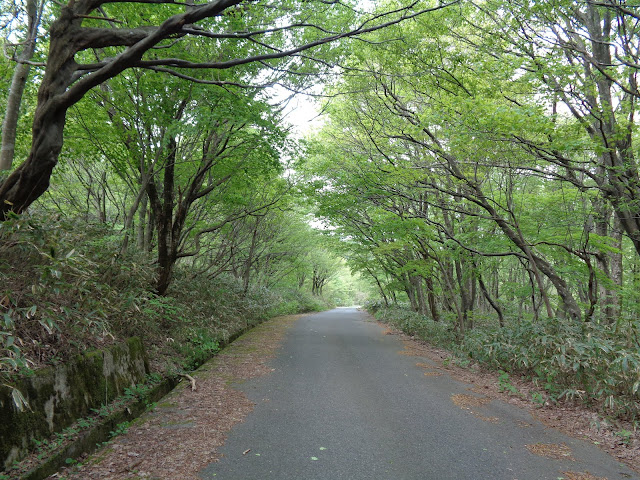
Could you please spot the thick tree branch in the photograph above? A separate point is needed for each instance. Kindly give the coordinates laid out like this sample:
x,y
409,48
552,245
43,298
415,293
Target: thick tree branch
x,y
111,37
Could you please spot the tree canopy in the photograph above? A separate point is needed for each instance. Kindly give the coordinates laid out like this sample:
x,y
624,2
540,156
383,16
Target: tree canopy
x,y
258,43
476,162
490,137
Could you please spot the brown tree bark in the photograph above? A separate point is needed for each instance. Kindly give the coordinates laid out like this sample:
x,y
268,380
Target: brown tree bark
x,y
162,204
494,304
246,272
431,299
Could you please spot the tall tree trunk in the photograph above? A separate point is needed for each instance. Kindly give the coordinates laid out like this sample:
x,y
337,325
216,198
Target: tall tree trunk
x,y
609,263
246,273
410,290
150,228
431,299
494,304
379,284
101,197
164,220
31,178
18,83
616,273
128,222
141,224
416,281
465,296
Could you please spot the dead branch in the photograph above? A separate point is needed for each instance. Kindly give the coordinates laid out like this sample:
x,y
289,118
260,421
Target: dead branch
x,y
191,379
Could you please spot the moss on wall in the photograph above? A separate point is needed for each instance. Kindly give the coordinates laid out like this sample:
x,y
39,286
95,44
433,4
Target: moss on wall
x,y
58,396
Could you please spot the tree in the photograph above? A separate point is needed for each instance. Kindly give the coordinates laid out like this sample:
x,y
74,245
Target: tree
x,y
423,137
581,60
193,157
324,268
245,33
221,146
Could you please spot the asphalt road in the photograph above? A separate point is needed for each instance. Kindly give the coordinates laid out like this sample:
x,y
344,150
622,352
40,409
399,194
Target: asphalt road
x,y
343,403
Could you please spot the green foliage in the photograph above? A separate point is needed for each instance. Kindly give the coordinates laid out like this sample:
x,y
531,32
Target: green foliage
x,y
120,429
212,311
625,436
576,361
198,347
463,182
538,399
584,362
66,291
61,284
293,301
505,385
414,324
12,359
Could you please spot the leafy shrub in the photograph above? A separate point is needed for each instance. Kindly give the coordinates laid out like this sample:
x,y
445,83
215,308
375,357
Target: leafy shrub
x,y
211,311
66,289
295,301
587,361
63,290
438,333
198,346
373,306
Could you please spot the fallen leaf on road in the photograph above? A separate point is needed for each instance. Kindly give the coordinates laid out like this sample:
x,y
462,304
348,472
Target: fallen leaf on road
x,y
467,401
556,451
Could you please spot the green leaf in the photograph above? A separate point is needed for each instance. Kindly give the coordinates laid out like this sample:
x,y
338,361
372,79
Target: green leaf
x,y
19,400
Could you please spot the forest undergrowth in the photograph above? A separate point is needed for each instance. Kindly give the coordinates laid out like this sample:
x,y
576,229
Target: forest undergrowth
x,y
592,363
67,290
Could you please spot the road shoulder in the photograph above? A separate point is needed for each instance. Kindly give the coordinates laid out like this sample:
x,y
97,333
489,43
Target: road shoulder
x,y
184,430
571,419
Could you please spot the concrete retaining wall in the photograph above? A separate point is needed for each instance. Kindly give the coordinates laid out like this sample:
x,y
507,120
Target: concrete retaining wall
x,y
59,396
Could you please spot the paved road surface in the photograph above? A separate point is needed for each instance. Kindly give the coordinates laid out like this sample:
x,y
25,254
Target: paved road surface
x,y
343,404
